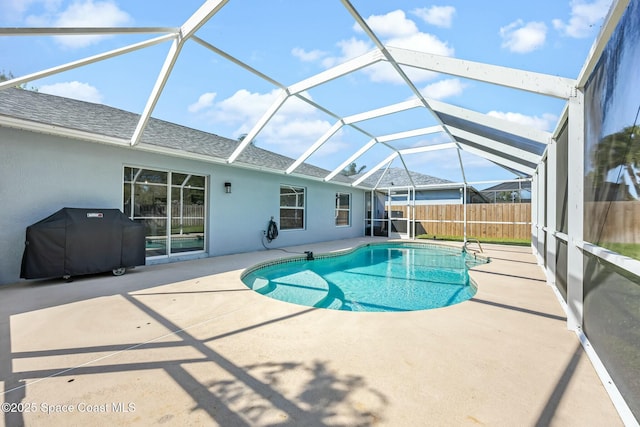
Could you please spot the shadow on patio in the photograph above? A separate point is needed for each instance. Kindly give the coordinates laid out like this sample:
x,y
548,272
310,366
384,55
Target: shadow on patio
x,y
215,387
188,343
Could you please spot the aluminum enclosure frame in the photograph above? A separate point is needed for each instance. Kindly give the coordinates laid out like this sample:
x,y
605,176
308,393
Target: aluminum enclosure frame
x,y
539,161
482,146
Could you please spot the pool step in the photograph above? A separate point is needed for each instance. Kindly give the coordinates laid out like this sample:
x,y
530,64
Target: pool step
x,y
334,299
262,286
318,293
304,286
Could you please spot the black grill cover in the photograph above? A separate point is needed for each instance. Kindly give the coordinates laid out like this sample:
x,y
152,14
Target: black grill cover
x,y
74,241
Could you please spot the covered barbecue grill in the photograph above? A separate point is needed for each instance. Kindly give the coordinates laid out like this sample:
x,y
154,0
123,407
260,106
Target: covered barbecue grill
x,y
75,241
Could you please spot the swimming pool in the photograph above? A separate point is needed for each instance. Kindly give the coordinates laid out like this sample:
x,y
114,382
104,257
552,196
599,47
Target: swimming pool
x,y
375,277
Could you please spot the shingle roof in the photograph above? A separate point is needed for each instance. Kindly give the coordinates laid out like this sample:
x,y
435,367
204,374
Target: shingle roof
x,y
397,177
509,186
103,120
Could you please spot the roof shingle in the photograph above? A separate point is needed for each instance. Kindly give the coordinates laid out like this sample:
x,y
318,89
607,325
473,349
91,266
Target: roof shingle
x,y
103,120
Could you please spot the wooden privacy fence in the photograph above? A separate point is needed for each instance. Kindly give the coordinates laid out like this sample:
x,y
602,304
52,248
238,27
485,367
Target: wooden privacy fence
x,y
494,220
613,222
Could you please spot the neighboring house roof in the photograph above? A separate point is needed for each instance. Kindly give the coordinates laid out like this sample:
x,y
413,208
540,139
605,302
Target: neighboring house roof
x,y
102,120
510,186
397,177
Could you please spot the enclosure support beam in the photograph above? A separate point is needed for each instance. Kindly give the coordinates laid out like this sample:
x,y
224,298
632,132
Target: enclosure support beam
x,y
316,145
498,159
543,84
610,24
552,173
201,16
86,61
352,158
161,81
393,137
415,150
534,213
195,21
340,70
371,217
273,109
541,207
464,206
410,133
464,177
379,112
384,50
497,146
496,123
575,203
386,161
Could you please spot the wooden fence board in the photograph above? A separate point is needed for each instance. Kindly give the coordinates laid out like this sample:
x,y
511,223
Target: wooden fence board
x,y
613,222
493,220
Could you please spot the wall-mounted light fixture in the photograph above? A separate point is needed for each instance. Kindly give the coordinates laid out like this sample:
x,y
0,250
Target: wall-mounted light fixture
x,y
227,187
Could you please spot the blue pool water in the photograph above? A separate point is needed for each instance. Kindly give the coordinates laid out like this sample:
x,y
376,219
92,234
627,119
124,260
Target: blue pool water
x,y
375,277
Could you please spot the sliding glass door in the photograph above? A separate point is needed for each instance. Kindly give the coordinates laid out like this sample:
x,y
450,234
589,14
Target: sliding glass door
x,y
171,206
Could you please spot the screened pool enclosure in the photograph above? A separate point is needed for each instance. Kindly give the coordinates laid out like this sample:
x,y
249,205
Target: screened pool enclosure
x,y
449,211
584,217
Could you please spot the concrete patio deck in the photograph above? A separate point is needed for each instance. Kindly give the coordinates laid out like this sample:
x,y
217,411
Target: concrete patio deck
x,y
188,344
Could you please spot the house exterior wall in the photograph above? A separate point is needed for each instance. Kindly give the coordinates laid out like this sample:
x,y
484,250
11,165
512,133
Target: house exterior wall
x,y
438,197
40,174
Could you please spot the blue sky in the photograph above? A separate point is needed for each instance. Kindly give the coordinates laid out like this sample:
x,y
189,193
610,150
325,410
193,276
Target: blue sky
x,y
290,41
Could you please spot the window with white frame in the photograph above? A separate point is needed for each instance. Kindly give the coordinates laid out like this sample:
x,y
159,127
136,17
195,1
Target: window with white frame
x,y
292,207
343,209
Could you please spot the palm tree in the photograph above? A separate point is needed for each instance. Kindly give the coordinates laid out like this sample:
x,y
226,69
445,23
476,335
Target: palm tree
x,y
352,169
8,76
617,150
243,136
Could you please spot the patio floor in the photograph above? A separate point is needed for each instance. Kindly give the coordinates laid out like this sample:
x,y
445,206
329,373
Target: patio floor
x,y
188,344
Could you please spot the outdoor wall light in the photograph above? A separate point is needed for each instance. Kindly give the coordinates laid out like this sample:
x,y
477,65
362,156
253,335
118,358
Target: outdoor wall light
x,y
227,187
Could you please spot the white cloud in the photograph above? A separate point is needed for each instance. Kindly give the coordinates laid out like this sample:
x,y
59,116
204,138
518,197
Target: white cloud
x,y
392,24
75,90
444,89
422,42
290,131
394,29
14,10
547,122
241,107
519,37
204,101
382,72
407,38
88,13
92,14
584,16
440,16
349,49
296,134
308,56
